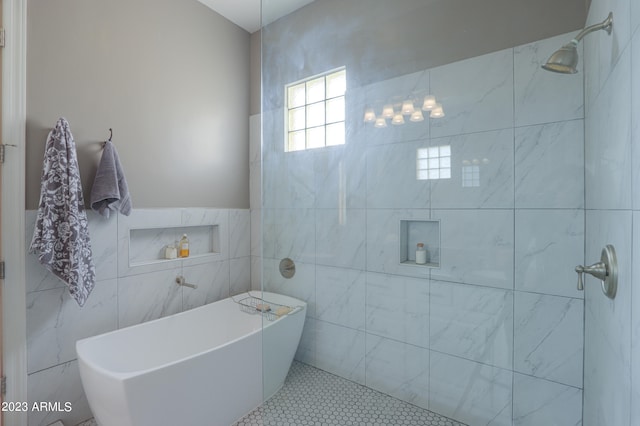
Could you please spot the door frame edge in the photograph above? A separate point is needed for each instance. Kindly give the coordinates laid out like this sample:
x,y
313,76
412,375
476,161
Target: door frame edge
x,y
14,74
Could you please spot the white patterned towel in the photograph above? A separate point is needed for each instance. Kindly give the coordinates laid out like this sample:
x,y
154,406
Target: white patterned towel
x,y
61,237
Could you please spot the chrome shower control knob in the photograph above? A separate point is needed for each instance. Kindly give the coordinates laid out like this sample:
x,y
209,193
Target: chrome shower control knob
x,y
606,271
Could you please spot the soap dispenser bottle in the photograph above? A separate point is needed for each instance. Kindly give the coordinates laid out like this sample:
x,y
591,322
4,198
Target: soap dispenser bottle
x,y
421,254
183,246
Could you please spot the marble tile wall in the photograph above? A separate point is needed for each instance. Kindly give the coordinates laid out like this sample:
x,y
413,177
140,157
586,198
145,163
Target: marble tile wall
x,y
494,335
126,293
612,160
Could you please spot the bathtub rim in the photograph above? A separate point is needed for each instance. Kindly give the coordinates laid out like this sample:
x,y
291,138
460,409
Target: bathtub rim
x,y
128,375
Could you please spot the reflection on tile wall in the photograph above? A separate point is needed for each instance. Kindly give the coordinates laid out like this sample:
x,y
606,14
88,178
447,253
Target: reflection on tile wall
x,y
501,315
124,295
612,164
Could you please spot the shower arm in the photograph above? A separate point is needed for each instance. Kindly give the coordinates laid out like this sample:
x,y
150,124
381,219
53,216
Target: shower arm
x,y
606,25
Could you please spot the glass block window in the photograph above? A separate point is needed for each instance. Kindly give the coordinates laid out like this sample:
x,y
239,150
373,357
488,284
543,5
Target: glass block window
x,y
434,162
315,112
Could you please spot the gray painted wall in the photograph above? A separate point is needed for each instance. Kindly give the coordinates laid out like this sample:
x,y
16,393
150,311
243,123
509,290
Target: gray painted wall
x,y
256,41
169,76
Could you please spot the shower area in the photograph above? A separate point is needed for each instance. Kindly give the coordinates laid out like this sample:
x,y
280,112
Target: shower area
x,y
386,125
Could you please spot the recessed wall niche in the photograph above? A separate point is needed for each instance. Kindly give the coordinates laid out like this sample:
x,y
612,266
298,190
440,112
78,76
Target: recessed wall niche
x,y
146,245
426,232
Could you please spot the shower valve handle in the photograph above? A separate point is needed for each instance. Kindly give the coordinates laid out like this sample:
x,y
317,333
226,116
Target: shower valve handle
x,y
606,271
598,270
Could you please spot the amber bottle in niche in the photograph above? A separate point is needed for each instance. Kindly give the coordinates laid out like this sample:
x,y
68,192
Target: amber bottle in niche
x,y
183,246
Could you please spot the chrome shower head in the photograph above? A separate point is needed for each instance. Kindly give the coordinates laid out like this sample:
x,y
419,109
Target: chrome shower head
x,y
565,59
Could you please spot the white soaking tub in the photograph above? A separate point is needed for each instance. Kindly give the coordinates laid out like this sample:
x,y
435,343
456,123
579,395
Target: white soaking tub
x,y
199,367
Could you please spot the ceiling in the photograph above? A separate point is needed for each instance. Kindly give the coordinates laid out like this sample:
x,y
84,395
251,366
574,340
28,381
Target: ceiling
x,y
247,15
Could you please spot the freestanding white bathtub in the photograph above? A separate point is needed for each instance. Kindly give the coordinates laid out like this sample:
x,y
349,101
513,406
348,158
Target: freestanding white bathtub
x,y
202,367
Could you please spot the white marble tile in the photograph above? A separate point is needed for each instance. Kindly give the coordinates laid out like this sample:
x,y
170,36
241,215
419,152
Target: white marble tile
x,y
472,322
549,337
340,237
635,324
604,49
607,363
392,177
540,402
635,18
549,165
208,231
590,56
306,351
383,241
340,173
549,244
301,286
239,275
255,161
481,170
477,247
256,232
239,233
394,91
289,233
469,392
340,350
340,296
392,134
635,112
608,142
256,273
542,96
398,308
60,384
476,94
148,296
104,244
55,322
356,104
212,280
288,179
272,127
398,369
160,219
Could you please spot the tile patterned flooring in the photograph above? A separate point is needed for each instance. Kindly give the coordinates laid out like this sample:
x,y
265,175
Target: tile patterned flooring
x,y
312,397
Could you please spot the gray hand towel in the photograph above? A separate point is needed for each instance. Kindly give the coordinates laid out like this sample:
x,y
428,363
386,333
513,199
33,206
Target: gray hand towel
x,y
110,190
61,235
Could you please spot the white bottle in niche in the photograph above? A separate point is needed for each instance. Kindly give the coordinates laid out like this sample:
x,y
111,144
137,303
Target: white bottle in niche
x,y
421,254
170,252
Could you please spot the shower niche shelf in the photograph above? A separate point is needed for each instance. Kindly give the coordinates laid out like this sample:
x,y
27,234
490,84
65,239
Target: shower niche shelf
x,y
146,245
426,232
